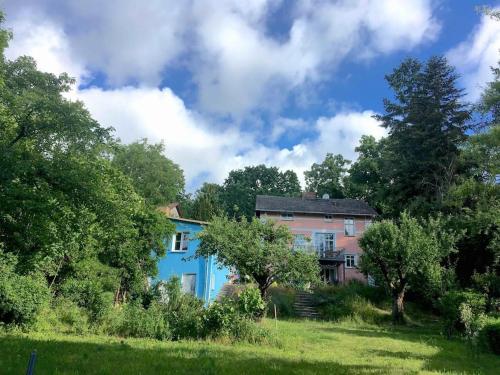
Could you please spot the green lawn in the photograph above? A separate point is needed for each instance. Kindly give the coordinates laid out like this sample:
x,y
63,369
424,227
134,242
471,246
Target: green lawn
x,y
305,347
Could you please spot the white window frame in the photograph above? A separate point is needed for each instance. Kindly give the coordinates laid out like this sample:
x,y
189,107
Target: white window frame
x,y
299,241
353,226
354,259
328,218
322,246
287,216
195,281
184,240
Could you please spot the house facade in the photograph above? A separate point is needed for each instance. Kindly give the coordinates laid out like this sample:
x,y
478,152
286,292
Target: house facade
x,y
202,277
327,227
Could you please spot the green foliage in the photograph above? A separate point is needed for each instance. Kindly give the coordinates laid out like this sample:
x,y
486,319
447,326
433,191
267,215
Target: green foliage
x,y
353,302
154,176
21,296
259,249
220,317
63,316
136,321
250,303
207,203
490,336
243,185
327,177
405,255
88,294
366,180
427,124
451,305
283,298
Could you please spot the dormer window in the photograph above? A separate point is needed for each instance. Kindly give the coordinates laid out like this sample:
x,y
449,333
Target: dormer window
x,y
288,216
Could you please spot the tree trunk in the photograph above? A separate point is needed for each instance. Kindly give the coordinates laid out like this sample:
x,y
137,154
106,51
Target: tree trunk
x,y
263,290
398,306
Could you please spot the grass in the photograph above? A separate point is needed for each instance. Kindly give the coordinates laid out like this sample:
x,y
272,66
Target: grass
x,y
305,347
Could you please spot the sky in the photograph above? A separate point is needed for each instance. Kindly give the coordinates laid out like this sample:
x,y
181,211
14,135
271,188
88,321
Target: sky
x,y
231,83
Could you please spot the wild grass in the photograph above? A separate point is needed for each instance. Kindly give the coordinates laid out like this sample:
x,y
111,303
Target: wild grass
x,y
301,347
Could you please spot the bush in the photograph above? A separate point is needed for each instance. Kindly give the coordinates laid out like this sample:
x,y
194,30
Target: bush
x,y
88,294
350,301
21,296
490,336
460,311
250,303
283,299
136,321
63,316
219,318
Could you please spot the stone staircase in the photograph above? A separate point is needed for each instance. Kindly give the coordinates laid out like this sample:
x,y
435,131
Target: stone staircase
x,y
304,305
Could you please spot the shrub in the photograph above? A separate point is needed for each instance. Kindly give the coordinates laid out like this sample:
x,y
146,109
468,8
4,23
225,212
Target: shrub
x,y
219,318
473,321
283,299
490,336
88,294
136,321
250,303
63,316
452,303
184,312
351,301
21,296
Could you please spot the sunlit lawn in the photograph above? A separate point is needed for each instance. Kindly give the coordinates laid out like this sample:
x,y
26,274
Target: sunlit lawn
x,y
304,347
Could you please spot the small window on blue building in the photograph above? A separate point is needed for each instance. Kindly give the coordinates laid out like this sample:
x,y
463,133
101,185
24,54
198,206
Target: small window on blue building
x,y
181,241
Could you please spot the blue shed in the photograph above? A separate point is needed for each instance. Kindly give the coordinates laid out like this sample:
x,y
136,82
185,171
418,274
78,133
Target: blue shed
x,y
202,277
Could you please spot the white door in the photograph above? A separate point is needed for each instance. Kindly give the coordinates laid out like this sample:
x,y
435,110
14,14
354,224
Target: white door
x,y
189,283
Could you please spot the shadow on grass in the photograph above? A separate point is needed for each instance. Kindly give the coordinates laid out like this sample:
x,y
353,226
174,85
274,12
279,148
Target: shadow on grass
x,y
452,355
67,357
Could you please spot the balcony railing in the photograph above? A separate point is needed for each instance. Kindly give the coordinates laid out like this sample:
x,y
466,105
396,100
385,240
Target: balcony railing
x,y
336,254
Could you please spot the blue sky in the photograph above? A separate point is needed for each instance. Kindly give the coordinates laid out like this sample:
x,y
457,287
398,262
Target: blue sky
x,y
227,83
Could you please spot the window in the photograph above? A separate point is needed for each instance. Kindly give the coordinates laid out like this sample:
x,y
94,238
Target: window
x,y
286,216
350,260
328,218
188,283
181,241
299,242
324,242
368,223
349,227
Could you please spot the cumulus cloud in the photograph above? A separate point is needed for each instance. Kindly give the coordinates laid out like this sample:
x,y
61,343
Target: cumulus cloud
x,y
475,56
238,64
159,115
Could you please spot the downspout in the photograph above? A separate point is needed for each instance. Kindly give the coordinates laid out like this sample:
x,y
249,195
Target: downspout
x,y
206,292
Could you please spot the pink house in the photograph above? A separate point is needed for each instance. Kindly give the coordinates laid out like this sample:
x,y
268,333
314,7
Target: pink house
x,y
329,227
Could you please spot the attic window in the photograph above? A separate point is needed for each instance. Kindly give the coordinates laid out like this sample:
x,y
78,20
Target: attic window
x,y
328,218
287,216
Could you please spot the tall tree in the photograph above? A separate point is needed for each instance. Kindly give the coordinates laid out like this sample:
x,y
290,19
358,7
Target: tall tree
x,y
62,201
427,123
327,177
366,180
154,176
207,202
405,254
243,185
260,250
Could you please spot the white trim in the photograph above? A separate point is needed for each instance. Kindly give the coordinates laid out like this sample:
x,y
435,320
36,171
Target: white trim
x,y
354,259
353,227
174,240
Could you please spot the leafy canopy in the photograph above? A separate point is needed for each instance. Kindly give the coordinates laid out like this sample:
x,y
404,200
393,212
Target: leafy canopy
x,y
260,250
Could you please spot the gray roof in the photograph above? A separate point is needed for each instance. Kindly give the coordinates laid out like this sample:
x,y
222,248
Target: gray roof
x,y
268,203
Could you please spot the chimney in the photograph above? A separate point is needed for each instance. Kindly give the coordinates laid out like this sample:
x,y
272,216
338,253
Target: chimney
x,y
308,195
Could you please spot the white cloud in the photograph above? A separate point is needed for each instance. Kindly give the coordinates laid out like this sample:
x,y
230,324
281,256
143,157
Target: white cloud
x,y
228,45
475,56
202,148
